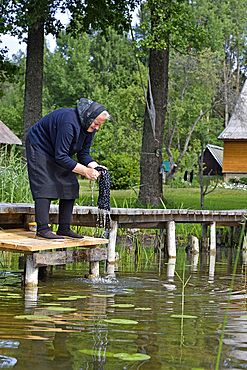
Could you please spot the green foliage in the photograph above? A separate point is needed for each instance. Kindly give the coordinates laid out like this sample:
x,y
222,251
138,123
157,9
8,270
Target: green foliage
x,y
68,75
124,170
234,180
8,70
14,177
170,22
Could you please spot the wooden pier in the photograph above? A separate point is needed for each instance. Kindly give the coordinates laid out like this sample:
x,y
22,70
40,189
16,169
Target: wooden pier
x,y
14,215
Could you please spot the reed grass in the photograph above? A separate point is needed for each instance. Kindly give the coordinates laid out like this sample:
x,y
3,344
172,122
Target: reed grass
x,y
229,295
14,177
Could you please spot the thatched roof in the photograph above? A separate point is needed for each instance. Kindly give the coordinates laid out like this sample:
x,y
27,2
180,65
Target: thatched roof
x,y
237,127
7,136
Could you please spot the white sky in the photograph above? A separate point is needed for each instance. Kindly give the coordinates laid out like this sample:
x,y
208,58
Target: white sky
x,y
14,46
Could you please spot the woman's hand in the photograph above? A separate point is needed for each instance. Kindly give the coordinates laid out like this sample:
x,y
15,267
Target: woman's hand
x,y
90,173
95,164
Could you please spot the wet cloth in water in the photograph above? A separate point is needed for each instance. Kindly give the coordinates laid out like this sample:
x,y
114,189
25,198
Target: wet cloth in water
x,y
104,189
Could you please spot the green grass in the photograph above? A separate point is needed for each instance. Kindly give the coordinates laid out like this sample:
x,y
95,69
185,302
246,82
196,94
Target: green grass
x,y
186,198
219,199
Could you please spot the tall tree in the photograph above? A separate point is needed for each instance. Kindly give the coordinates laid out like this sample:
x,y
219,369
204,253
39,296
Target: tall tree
x,y
169,27
195,89
35,18
226,23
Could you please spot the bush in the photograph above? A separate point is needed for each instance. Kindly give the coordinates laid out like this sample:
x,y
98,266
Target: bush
x,y
234,180
124,170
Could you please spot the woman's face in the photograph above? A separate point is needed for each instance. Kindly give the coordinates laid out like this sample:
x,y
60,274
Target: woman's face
x,y
95,125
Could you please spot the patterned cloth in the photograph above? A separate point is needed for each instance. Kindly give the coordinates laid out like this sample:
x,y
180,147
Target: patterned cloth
x,y
104,189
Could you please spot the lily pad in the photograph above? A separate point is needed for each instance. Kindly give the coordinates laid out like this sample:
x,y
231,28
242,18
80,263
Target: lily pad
x,y
45,295
51,304
243,317
150,290
134,357
129,290
32,317
121,321
143,308
103,295
123,305
55,308
79,296
67,299
13,296
96,352
184,316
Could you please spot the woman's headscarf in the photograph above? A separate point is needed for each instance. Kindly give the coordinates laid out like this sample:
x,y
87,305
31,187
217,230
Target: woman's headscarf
x,y
88,110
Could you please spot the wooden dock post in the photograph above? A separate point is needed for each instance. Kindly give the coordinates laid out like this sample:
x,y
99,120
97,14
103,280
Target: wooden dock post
x,y
171,268
93,269
170,239
193,243
212,267
31,276
213,237
112,242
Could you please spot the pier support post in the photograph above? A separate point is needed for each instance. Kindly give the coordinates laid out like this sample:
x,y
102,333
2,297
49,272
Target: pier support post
x,y
31,276
230,235
94,269
170,239
112,242
213,237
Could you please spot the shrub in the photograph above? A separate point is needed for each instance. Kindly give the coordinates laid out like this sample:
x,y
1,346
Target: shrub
x,y
234,180
124,170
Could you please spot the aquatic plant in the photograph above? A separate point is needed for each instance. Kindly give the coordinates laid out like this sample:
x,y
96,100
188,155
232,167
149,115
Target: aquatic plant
x,y
230,293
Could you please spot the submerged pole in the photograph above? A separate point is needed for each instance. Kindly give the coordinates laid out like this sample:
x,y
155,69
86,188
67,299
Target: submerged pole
x,y
213,237
170,239
31,277
112,242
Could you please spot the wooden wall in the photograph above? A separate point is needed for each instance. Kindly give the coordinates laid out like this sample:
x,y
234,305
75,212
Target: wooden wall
x,y
211,164
235,156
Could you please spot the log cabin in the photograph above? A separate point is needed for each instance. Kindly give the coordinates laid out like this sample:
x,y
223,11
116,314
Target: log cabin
x,y
235,140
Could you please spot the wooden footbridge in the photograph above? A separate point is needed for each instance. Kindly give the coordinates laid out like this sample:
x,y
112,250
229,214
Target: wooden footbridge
x,y
18,215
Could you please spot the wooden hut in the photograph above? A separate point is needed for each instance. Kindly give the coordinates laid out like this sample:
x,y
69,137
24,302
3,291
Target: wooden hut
x,y
7,136
235,140
213,159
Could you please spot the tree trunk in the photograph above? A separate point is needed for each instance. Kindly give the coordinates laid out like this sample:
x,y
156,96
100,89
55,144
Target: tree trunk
x,y
34,79
151,157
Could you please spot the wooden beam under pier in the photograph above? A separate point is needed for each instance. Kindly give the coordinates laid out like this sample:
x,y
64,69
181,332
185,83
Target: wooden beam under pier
x,y
12,213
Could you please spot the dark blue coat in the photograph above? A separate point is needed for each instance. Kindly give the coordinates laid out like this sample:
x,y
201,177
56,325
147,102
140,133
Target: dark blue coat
x,y
59,135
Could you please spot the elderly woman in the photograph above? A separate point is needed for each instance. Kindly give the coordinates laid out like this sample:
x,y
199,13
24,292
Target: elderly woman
x,y
50,145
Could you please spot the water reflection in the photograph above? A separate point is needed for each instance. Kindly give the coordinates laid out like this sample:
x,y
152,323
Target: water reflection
x,y
211,267
62,323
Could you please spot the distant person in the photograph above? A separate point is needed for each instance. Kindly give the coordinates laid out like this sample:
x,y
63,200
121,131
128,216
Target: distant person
x,y
186,175
50,145
191,176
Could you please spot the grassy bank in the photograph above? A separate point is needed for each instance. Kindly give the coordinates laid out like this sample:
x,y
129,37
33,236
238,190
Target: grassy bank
x,y
187,198
217,200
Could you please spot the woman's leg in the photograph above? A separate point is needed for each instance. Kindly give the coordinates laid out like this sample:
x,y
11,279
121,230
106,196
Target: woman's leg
x,y
65,213
65,216
42,207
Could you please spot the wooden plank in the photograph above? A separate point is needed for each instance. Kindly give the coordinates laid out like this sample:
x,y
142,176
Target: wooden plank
x,y
69,256
21,240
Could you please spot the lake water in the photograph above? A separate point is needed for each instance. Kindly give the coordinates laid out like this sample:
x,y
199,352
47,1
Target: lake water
x,y
88,324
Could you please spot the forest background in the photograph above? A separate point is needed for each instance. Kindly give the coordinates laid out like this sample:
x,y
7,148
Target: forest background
x,y
204,84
